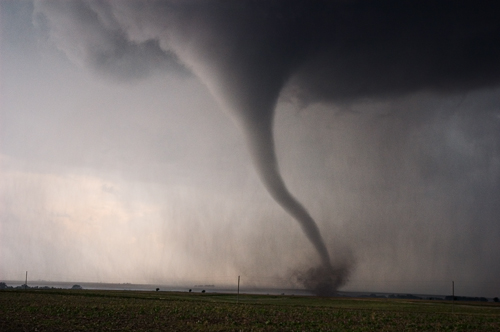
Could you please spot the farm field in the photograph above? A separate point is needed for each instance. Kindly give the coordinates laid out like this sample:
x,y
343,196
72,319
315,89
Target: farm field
x,y
88,310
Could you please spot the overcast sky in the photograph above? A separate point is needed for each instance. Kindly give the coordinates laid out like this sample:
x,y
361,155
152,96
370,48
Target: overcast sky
x,y
122,158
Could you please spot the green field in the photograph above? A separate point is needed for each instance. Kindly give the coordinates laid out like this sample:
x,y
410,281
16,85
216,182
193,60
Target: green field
x,y
88,310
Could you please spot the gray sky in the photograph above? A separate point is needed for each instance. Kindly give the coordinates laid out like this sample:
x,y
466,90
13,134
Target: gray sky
x,y
122,160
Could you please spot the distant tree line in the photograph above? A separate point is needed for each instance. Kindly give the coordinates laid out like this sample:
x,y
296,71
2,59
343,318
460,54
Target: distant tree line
x,y
446,298
467,298
3,285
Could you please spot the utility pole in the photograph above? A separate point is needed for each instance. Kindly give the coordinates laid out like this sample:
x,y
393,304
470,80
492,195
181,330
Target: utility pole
x,y
238,295
26,281
453,296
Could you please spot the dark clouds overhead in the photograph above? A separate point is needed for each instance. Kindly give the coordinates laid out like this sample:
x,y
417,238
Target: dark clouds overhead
x,y
335,50
386,48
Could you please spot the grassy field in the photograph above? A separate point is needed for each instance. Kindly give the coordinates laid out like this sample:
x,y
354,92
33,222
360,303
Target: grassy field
x,y
87,310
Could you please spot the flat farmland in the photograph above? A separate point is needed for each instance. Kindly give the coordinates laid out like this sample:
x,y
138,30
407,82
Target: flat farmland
x,y
88,310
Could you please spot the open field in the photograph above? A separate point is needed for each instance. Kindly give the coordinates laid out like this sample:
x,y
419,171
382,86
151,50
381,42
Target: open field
x,y
87,310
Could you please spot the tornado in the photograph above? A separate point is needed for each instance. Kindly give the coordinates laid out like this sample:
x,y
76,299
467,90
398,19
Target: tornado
x,y
322,280
251,98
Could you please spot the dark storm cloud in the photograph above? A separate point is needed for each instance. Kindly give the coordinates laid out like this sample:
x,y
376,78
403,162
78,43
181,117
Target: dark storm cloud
x,y
333,49
386,48
247,52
